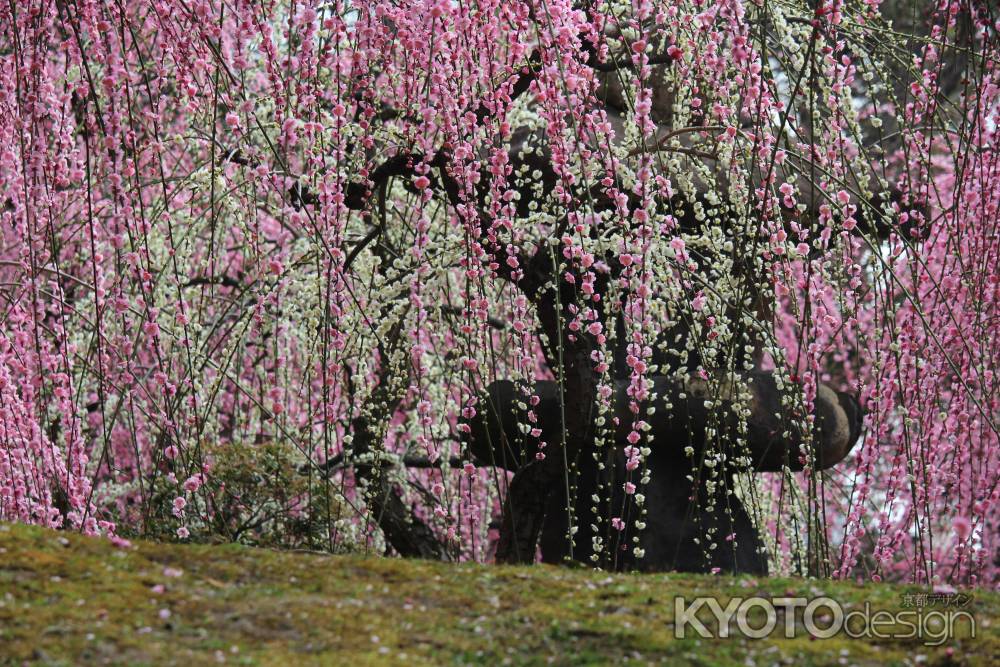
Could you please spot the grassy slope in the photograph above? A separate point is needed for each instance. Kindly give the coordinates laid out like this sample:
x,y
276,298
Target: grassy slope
x,y
66,599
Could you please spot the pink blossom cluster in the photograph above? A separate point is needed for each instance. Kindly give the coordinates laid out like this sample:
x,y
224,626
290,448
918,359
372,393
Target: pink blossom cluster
x,y
224,224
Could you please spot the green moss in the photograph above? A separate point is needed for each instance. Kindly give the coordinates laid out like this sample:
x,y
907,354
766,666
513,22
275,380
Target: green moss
x,y
67,599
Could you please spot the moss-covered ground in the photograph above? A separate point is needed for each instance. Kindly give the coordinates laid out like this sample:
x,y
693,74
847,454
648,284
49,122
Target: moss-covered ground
x,y
72,600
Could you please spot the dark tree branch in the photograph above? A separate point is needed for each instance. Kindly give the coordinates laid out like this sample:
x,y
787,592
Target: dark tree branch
x,y
418,462
494,438
624,62
223,280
